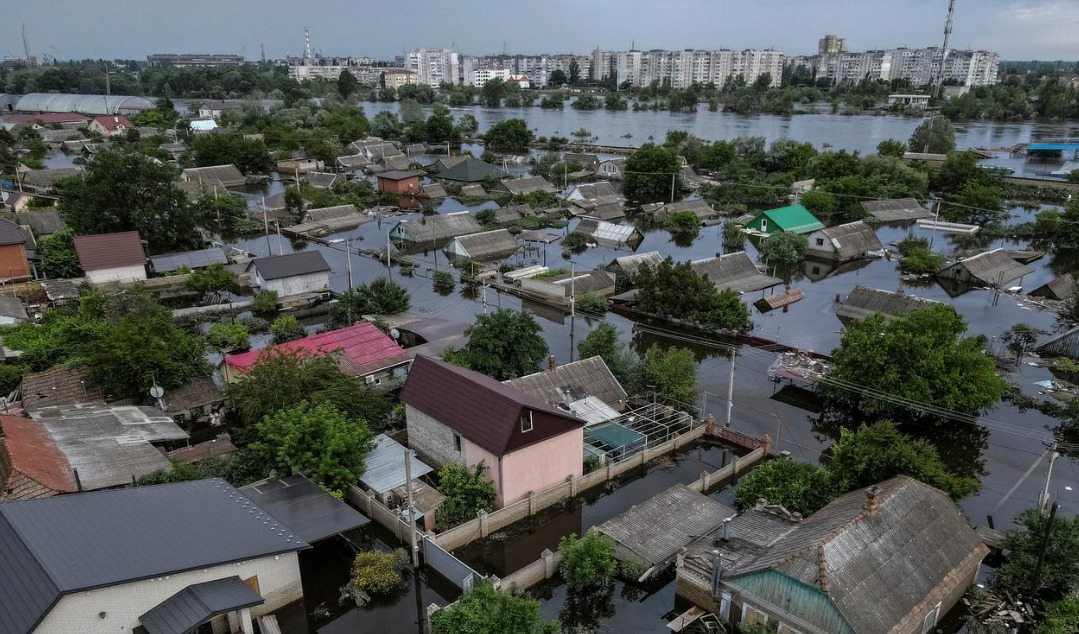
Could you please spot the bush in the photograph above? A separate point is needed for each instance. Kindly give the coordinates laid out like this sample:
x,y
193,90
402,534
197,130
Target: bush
x,y
630,571
443,281
591,304
587,562
467,491
917,259
265,303
576,241
286,328
683,224
484,610
784,250
375,572
800,487
228,338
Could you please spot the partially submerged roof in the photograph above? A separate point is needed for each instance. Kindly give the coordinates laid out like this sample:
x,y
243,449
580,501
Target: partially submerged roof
x,y
607,233
304,508
895,210
196,604
168,262
991,268
472,170
631,264
572,382
656,529
276,267
699,207
485,245
330,213
385,465
734,271
1059,288
527,185
434,190
110,250
866,302
229,175
1065,344
875,565
591,191
79,542
849,241
480,408
361,349
321,180
438,227
606,211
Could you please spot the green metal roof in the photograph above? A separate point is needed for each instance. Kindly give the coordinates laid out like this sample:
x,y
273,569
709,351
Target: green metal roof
x,y
793,218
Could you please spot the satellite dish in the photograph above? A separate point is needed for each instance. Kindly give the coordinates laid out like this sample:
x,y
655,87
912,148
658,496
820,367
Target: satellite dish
x,y
395,333
156,391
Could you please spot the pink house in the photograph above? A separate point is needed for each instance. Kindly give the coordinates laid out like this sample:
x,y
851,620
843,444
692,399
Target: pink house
x,y
457,415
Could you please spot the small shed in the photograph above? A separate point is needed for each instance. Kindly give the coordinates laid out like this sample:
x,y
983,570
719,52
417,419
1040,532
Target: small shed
x,y
992,268
630,265
734,271
897,210
291,274
792,219
436,228
399,182
652,532
227,175
843,243
111,257
865,302
191,260
305,508
488,245
609,234
1059,288
525,185
323,180
384,475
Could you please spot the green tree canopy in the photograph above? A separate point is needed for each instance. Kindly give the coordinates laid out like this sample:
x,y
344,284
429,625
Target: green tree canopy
x,y
784,249
935,135
1059,617
604,343
892,148
318,441
676,291
468,491
800,487
484,610
211,279
671,373
248,155
921,357
1060,568
504,344
649,173
58,257
347,84
121,190
511,135
587,562
379,297
286,328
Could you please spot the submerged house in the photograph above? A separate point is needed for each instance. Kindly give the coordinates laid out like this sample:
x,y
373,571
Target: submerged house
x,y
865,302
472,170
610,234
843,243
1059,288
560,289
226,175
1065,344
525,185
734,271
896,210
792,219
457,415
993,268
435,230
891,558
168,559
487,245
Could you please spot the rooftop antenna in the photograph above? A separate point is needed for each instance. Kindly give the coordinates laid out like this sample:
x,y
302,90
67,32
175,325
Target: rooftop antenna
x,y
307,56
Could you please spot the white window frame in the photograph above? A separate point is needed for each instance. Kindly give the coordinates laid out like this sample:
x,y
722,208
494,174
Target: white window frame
x,y
527,414
928,626
764,224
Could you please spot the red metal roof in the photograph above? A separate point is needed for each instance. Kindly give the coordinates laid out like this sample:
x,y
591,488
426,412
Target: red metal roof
x,y
113,122
480,408
46,117
363,349
109,250
34,454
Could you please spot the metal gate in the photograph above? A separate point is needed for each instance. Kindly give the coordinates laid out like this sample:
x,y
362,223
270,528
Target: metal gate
x,y
449,566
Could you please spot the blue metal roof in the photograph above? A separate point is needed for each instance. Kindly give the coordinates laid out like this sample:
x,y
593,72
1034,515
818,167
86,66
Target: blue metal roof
x,y
1064,147
384,467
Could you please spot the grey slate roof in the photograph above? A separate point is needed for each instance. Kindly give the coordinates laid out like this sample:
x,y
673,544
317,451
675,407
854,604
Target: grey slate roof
x,y
320,180
198,603
845,242
281,266
572,382
385,465
699,207
484,245
657,528
472,170
433,190
44,223
71,543
304,508
329,213
606,211
438,227
895,210
47,178
630,264
1061,287
734,271
866,302
228,175
591,191
991,268
876,566
526,185
168,262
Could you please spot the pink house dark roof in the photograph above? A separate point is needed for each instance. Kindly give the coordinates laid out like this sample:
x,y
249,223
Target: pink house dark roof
x,y
363,349
480,408
109,250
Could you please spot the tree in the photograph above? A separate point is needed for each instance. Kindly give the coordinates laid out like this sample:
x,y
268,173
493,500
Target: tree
x,y
798,486
921,357
820,203
892,148
439,126
671,373
280,379
248,155
1020,338
784,249
376,572
511,135
917,258
1060,566
672,290
504,344
683,224
211,279
264,302
121,190
318,441
228,338
467,491
574,73
557,78
347,84
874,453
286,328
587,562
651,171
379,297
935,135
58,256
467,126
603,342
492,92
484,610
1059,617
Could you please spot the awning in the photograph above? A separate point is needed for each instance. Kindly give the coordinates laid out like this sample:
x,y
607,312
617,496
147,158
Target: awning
x,y
197,604
306,509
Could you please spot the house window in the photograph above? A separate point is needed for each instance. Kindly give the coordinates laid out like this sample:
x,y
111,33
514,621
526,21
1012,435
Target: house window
x,y
930,620
820,242
764,224
526,421
457,442
816,270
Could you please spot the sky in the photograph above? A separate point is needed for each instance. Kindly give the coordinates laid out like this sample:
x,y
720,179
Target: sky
x,y
75,29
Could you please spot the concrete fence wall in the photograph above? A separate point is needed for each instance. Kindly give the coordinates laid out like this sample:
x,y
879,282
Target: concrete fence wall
x,y
366,502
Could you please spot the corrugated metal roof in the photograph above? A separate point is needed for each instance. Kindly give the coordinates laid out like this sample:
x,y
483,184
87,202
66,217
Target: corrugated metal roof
x,y
866,302
32,451
593,411
485,245
991,268
480,408
895,210
631,264
606,211
169,262
473,191
305,508
437,227
78,542
1065,344
109,250
734,271
779,300
228,175
659,527
320,180
361,348
198,603
1059,288
84,104
609,233
572,382
792,218
472,170
385,465
290,265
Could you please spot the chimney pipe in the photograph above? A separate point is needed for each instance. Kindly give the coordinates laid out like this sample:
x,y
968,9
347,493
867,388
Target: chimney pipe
x,y
551,364
727,529
717,572
872,499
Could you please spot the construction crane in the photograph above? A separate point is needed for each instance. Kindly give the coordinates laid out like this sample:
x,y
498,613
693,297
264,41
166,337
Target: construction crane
x,y
939,79
26,47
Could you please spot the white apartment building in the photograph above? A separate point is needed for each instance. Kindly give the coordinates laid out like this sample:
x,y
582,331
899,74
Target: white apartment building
x,y
479,76
683,68
435,67
920,66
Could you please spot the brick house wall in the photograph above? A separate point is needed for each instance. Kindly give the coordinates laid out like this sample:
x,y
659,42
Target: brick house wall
x,y
403,186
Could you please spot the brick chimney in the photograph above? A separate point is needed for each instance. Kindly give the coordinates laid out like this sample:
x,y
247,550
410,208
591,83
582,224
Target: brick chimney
x,y
551,363
872,499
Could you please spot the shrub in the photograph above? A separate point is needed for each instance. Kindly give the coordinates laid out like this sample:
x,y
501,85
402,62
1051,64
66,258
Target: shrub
x,y
683,224
375,572
467,491
784,250
265,303
226,338
587,562
800,487
443,281
917,259
575,241
286,328
591,304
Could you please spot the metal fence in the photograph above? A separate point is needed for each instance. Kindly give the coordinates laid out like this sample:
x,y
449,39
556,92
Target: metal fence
x,y
450,567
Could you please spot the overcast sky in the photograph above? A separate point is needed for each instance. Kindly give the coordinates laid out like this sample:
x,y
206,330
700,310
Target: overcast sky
x,y
1017,29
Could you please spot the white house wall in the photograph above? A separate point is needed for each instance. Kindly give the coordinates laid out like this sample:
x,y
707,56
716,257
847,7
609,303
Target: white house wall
x,y
298,284
120,274
122,605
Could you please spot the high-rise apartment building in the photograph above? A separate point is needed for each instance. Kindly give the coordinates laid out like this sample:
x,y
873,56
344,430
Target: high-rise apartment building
x,y
831,44
435,67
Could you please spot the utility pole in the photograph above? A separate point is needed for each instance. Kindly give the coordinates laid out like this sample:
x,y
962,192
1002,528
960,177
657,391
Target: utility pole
x,y
673,176
348,251
1045,546
411,521
572,305
485,298
730,388
1043,501
389,267
266,226
936,218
